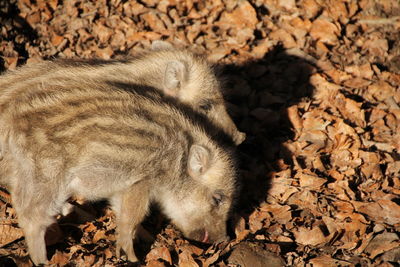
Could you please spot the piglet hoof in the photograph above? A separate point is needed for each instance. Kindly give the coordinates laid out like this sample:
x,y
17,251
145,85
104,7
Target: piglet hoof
x,y
38,261
127,248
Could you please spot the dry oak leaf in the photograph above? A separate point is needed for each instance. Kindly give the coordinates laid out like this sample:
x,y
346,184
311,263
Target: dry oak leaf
x,y
262,47
382,243
305,199
327,261
4,195
155,263
159,253
324,90
283,36
315,140
280,213
247,254
102,32
310,180
316,120
381,211
100,234
354,227
381,90
288,5
357,83
392,255
11,62
243,16
370,167
341,190
104,53
211,260
336,75
344,137
294,118
376,47
324,31
350,109
60,259
281,186
312,237
154,22
364,71
186,259
218,54
140,36
337,10
311,8
9,232
256,220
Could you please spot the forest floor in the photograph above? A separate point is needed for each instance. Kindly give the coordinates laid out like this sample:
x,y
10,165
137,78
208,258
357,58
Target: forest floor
x,y
314,84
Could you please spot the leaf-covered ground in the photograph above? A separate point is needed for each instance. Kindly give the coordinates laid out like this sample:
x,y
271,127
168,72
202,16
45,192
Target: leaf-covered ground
x,y
315,85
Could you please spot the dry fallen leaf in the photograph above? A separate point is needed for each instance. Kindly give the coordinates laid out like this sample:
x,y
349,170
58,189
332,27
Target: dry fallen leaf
x,y
159,253
381,211
382,243
325,31
313,236
9,232
186,259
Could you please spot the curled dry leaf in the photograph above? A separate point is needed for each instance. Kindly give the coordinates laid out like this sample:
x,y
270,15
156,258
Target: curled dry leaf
x,y
327,261
381,243
381,211
247,254
311,181
312,237
9,232
280,213
243,16
324,31
159,253
186,259
60,259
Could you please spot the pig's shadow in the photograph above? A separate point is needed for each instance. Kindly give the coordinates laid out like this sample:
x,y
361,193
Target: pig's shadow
x,y
261,91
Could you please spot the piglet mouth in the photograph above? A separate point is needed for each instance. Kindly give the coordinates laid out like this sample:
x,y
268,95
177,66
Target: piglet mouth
x,y
205,237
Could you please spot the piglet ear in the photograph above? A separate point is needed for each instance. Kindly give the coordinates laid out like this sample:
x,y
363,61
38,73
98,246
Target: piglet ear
x,y
174,76
161,45
199,161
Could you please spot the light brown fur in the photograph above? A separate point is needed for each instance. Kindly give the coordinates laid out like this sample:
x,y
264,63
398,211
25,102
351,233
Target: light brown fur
x,y
176,73
98,140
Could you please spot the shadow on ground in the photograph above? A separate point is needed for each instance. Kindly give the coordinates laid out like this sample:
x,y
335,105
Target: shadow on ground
x,y
261,92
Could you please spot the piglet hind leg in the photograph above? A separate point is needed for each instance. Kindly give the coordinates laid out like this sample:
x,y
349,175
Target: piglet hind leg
x,y
130,207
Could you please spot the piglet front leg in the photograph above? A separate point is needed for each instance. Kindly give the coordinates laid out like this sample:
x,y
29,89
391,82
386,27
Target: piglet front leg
x,y
130,209
34,217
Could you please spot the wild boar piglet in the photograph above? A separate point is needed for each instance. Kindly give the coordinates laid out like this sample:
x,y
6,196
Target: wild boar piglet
x,y
99,141
175,73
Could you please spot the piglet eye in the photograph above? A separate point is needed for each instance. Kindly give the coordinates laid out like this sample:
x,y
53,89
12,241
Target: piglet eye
x,y
206,106
218,199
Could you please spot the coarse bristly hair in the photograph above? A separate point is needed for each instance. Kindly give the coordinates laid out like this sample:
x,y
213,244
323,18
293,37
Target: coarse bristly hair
x,y
98,140
175,73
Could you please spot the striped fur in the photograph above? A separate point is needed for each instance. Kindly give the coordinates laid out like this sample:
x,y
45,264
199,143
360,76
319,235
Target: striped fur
x,y
175,73
100,140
